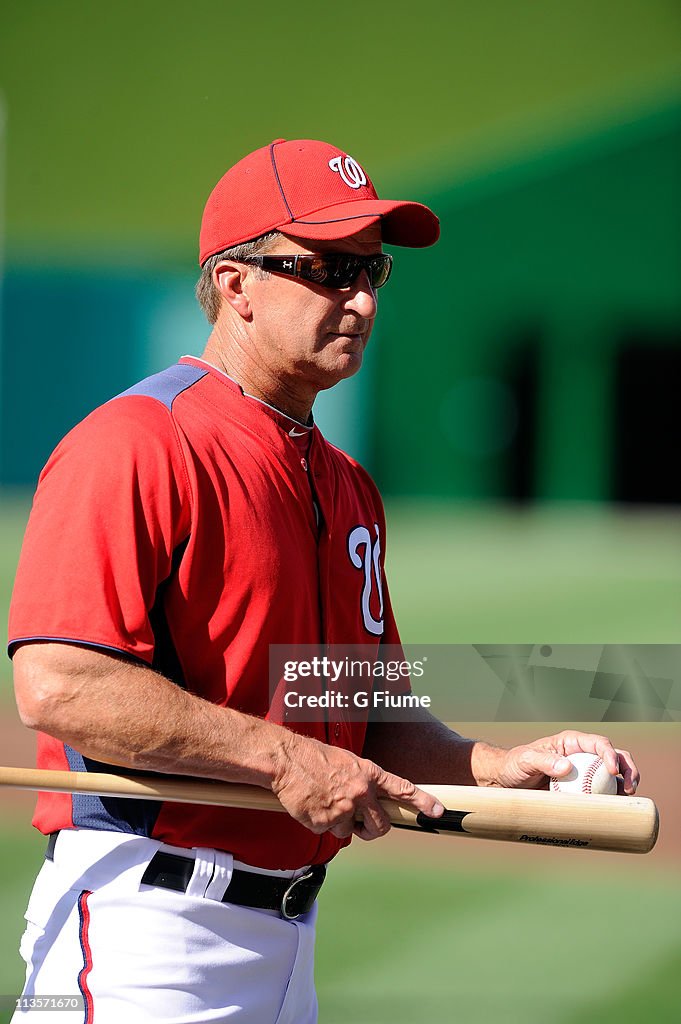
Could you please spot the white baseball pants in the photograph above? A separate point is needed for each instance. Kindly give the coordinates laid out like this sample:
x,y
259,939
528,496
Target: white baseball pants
x,y
137,953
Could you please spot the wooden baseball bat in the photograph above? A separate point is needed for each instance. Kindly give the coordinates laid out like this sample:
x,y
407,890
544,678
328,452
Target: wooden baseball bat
x,y
533,817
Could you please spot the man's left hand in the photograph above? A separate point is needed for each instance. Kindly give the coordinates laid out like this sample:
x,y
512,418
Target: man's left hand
x,y
530,765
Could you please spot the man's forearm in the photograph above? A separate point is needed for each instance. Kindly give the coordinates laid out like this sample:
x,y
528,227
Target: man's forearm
x,y
429,751
119,713
122,713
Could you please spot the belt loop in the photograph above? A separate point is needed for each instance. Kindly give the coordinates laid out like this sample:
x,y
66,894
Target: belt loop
x,y
204,867
222,875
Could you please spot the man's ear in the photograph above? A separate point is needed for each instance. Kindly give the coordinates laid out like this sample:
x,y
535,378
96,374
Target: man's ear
x,y
230,280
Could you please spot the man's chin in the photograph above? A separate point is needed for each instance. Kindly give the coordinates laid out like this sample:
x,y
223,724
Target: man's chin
x,y
345,365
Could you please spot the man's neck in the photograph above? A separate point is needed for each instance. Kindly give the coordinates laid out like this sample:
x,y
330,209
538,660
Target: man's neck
x,y
256,382
307,424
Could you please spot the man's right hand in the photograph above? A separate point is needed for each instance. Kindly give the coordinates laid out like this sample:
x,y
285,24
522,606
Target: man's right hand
x,y
329,789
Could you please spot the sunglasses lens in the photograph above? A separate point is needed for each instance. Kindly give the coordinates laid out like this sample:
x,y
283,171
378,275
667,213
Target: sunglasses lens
x,y
332,270
379,270
317,269
343,270
338,270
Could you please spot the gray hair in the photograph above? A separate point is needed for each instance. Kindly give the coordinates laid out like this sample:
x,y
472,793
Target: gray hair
x,y
207,294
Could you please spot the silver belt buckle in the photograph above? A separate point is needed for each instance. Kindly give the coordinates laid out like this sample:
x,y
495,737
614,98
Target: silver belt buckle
x,y
287,894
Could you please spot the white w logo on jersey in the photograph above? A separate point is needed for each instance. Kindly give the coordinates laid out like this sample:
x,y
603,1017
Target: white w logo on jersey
x,y
349,170
370,563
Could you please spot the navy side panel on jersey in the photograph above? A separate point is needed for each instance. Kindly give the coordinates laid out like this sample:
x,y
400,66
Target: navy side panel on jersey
x,y
110,813
168,384
113,813
166,660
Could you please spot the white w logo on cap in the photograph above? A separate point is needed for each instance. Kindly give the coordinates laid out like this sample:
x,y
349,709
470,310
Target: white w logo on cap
x,y
349,170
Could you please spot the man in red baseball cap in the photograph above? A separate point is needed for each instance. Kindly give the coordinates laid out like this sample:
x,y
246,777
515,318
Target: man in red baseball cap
x,y
304,189
179,535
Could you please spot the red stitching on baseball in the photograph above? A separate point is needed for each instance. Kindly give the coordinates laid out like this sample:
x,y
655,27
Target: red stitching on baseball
x,y
587,780
589,774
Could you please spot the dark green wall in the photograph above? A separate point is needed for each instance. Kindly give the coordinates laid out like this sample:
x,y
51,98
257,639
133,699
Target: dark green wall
x,y
499,370
75,338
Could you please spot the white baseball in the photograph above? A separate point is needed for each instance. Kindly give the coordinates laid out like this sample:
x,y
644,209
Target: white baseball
x,y
588,775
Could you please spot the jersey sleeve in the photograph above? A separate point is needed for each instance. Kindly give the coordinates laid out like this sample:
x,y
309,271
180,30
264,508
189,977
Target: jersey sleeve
x,y
111,507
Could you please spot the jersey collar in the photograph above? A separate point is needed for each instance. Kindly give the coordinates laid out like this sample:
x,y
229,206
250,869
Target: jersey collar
x,y
291,426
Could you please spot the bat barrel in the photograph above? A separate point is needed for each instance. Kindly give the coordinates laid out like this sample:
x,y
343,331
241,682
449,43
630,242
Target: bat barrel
x,y
540,818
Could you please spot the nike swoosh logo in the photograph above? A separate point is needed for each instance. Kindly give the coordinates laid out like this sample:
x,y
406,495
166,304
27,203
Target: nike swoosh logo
x,y
297,433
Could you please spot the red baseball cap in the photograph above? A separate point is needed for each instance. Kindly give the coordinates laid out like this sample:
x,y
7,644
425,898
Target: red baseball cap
x,y
313,189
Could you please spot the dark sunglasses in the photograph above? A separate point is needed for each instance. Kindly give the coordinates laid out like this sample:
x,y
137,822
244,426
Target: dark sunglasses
x,y
332,269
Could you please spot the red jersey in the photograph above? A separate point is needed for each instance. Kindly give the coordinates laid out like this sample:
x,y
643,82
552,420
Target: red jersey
x,y
176,525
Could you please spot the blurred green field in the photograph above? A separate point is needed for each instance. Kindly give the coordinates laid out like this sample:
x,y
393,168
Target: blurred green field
x,y
555,574
487,941
481,945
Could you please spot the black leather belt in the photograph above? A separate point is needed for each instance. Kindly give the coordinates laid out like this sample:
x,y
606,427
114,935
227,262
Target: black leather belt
x,y
290,896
